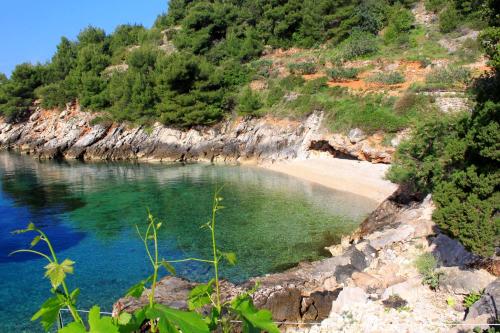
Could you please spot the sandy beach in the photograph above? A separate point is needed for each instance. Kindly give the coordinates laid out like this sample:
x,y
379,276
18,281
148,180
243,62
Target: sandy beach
x,y
359,177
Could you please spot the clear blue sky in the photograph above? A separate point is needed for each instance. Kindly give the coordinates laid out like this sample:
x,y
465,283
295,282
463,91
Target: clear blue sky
x,y
31,29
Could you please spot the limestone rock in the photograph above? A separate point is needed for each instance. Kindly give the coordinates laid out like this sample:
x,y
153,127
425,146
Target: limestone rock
x,y
355,135
488,305
451,252
461,281
382,239
347,297
367,282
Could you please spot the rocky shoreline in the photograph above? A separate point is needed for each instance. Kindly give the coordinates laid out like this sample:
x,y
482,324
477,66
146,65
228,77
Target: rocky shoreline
x,y
352,291
73,134
370,284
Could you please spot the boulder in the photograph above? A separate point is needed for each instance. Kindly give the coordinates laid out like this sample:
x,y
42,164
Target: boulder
x,y
347,297
488,306
367,282
450,252
410,290
356,134
379,240
462,281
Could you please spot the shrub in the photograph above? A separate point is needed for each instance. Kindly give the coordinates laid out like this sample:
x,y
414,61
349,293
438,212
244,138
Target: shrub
x,y
292,82
312,87
302,68
472,298
249,102
456,157
426,265
359,43
262,67
343,73
435,5
400,23
387,78
448,19
447,77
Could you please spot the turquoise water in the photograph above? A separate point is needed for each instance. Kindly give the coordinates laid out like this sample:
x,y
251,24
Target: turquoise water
x,y
271,221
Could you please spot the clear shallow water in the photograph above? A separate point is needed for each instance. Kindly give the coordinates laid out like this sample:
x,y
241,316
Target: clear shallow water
x,y
89,211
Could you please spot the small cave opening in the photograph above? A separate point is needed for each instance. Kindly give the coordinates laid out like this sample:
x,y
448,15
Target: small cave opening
x,y
323,145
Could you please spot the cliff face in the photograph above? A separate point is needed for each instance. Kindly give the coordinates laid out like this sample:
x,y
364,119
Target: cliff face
x,y
70,134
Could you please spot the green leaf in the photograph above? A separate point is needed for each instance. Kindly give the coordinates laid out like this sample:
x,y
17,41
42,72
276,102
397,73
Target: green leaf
x,y
35,241
30,227
100,325
230,257
57,272
73,328
168,267
252,317
136,290
74,295
186,321
48,312
199,296
124,318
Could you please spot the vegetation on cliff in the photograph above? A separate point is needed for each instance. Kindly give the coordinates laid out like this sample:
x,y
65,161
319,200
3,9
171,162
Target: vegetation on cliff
x,y
457,159
190,67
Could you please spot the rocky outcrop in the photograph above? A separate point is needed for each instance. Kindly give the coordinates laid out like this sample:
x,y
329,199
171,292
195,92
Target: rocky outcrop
x,y
72,134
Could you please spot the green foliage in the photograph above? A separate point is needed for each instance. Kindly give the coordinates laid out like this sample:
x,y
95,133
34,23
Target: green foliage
x,y
455,158
401,21
18,93
154,317
387,78
359,43
426,265
435,5
472,298
490,42
448,77
302,68
448,19
343,73
372,15
249,102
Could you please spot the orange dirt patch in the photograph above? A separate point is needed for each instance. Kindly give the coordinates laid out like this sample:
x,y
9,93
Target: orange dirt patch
x,y
309,77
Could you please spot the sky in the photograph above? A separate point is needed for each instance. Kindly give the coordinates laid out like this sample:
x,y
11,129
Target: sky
x,y
31,29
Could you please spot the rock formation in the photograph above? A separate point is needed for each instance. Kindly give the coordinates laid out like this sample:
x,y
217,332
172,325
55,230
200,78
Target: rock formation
x,y
72,134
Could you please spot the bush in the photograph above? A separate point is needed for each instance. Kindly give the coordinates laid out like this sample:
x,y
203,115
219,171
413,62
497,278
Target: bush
x,y
456,158
359,43
387,78
448,19
447,77
262,67
302,68
249,102
472,298
343,73
401,21
435,5
426,265
371,113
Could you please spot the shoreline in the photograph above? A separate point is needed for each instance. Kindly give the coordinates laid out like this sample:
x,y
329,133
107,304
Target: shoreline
x,y
358,177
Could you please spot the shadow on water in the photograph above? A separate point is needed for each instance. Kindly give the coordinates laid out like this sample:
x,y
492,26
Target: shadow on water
x,y
25,198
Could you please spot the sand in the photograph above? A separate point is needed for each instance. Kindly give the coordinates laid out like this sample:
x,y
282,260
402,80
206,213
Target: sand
x,y
358,177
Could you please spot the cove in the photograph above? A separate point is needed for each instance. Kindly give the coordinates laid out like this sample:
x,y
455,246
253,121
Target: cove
x,y
89,210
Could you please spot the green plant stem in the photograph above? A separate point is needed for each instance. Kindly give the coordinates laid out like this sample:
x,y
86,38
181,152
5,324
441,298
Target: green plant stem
x,y
191,259
214,248
69,301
